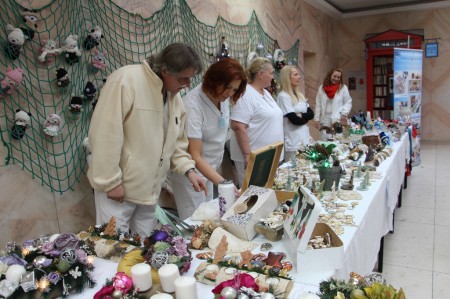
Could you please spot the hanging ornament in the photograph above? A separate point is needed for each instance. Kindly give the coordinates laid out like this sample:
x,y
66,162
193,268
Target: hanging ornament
x,y
279,60
75,107
223,51
62,77
22,120
93,39
98,62
52,125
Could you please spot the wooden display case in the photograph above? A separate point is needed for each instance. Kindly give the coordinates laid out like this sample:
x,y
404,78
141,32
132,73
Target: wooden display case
x,y
380,66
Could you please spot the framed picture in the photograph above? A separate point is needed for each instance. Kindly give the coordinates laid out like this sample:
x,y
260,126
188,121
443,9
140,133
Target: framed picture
x,y
262,166
431,50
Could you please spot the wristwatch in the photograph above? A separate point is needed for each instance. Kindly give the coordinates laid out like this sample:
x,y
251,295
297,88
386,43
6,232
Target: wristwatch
x,y
189,171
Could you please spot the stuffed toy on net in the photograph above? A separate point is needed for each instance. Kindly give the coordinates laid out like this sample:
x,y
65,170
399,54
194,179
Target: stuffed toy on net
x,y
98,62
29,26
12,79
49,50
93,39
70,48
62,77
14,43
90,91
22,120
52,125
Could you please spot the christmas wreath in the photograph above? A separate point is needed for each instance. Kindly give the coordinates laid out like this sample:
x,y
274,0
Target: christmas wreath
x,y
46,267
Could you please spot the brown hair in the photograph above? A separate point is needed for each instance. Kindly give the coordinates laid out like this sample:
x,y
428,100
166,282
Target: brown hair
x,y
327,80
221,73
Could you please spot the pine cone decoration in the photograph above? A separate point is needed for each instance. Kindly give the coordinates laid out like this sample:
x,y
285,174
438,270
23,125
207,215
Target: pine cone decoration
x,y
322,150
110,229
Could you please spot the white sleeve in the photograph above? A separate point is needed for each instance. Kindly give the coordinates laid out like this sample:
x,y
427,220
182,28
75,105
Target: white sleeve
x,y
285,103
194,119
242,111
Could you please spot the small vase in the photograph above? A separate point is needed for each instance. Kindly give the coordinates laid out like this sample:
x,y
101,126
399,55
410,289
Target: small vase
x,y
330,175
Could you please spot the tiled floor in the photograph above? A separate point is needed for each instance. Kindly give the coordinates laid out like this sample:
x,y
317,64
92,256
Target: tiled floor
x,y
417,254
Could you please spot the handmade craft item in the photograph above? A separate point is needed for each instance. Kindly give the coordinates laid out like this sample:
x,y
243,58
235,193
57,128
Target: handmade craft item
x,y
49,50
14,43
281,286
52,125
70,49
235,245
22,120
93,39
10,81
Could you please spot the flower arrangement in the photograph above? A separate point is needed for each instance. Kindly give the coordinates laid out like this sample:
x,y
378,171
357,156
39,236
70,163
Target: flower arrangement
x,y
369,287
163,246
119,287
46,267
243,285
322,156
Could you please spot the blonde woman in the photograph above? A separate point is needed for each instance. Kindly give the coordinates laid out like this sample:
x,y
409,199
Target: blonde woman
x,y
256,119
296,111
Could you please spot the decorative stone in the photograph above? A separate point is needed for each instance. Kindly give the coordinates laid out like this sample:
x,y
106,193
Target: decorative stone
x,y
271,234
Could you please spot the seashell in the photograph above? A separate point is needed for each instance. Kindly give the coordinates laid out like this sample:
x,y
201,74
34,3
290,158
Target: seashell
x,y
204,255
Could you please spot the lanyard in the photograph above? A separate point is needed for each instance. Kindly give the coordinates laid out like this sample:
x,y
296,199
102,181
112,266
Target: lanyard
x,y
207,102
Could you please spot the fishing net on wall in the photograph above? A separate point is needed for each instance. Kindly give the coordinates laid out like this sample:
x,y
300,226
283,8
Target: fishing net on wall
x,y
55,154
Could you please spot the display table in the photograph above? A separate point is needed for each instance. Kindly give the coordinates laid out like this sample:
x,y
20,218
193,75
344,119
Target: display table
x,y
373,219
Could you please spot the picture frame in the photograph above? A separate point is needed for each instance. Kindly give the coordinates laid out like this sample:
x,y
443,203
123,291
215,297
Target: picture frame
x,y
431,50
262,165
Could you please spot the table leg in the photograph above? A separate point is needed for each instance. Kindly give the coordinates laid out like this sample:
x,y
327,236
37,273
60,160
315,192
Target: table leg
x,y
380,256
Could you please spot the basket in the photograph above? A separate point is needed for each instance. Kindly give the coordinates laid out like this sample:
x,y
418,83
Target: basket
x,y
372,141
330,175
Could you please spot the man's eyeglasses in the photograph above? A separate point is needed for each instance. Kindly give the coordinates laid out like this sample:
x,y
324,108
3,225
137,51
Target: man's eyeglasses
x,y
184,81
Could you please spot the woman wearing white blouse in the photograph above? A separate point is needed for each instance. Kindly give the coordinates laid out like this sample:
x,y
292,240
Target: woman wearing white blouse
x,y
207,123
296,111
256,119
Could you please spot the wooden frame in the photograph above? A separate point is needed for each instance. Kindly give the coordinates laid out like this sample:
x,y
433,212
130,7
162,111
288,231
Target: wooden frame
x,y
262,166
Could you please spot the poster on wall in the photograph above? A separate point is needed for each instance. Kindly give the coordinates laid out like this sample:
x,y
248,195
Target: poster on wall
x,y
407,85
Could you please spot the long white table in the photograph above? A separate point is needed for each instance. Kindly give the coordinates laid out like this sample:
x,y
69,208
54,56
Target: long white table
x,y
373,218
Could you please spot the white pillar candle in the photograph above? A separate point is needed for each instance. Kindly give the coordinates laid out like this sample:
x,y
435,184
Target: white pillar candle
x,y
167,275
14,273
161,296
141,274
368,117
227,191
186,287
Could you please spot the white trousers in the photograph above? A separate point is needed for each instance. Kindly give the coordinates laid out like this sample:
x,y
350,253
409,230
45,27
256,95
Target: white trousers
x,y
131,217
186,198
240,171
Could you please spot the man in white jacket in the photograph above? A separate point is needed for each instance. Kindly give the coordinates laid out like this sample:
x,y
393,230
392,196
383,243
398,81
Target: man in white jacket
x,y
137,135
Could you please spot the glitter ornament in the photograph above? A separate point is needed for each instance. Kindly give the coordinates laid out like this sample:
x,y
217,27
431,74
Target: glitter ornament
x,y
267,296
68,255
228,293
158,236
159,258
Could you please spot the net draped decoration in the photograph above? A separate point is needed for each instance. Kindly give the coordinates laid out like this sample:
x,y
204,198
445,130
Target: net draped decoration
x,y
59,161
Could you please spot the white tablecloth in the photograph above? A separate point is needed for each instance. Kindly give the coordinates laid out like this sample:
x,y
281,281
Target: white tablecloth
x,y
373,218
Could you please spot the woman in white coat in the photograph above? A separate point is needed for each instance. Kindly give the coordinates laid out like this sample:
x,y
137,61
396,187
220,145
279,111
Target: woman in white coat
x,y
296,111
333,101
207,123
256,119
